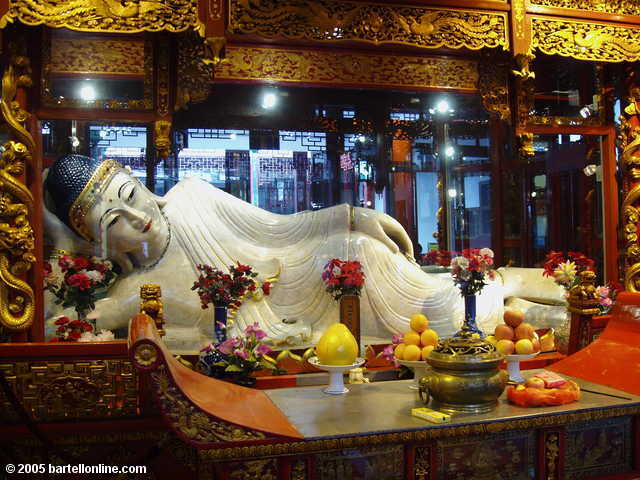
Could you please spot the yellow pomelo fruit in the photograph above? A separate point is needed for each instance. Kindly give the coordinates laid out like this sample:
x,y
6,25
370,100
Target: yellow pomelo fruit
x,y
412,353
426,351
399,351
411,338
429,337
337,346
492,340
419,322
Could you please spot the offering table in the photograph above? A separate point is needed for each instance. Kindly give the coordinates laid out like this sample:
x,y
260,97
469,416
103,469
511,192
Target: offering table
x,y
370,433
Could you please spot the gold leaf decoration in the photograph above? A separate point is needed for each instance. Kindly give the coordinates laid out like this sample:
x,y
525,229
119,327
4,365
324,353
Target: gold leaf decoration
x,y
97,55
337,21
314,66
586,41
624,7
106,15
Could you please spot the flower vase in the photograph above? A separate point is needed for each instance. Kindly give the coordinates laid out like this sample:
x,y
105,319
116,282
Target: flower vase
x,y
220,323
469,325
350,315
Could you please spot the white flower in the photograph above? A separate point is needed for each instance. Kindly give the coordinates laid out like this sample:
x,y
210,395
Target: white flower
x,y
461,262
87,337
108,265
95,276
486,252
105,336
565,274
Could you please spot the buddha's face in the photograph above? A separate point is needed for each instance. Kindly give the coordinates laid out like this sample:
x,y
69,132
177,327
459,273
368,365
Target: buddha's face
x,y
127,217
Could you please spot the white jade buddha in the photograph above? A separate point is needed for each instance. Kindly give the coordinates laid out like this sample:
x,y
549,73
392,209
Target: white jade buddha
x,y
160,240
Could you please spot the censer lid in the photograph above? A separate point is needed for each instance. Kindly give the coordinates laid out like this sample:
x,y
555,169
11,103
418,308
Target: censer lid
x,y
464,348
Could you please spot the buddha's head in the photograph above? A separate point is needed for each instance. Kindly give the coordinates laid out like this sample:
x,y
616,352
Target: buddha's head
x,y
105,205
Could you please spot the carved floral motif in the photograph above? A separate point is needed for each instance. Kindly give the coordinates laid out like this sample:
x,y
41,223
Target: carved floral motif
x,y
92,55
337,21
316,66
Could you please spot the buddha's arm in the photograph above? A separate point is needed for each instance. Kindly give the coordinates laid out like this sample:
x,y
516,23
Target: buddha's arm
x,y
384,228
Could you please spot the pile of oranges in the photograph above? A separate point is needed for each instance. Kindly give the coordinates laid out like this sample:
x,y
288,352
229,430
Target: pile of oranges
x,y
418,342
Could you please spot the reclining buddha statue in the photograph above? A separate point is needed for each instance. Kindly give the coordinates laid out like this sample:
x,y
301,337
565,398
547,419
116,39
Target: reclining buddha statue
x,y
99,207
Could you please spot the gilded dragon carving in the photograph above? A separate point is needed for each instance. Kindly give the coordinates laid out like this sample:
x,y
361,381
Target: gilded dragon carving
x,y
624,7
586,41
17,241
337,21
629,142
127,16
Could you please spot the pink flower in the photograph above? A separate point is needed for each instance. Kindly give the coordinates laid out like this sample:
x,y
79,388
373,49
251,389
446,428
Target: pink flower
x,y
65,263
388,355
228,345
396,339
262,350
243,354
80,280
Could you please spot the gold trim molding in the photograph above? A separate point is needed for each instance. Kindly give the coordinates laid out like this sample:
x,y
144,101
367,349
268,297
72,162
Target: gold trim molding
x,y
338,21
110,56
335,68
585,41
17,240
106,16
622,7
289,448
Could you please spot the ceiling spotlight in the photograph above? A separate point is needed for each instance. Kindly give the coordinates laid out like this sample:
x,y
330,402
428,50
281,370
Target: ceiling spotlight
x,y
87,93
453,193
449,151
269,100
442,106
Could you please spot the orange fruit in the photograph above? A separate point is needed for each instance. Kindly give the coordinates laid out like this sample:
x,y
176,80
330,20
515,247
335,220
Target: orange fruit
x,y
524,347
429,337
513,318
419,322
524,330
412,353
503,332
411,338
505,347
399,351
426,351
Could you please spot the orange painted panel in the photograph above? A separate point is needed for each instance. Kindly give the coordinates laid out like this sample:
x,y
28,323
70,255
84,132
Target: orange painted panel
x,y
614,358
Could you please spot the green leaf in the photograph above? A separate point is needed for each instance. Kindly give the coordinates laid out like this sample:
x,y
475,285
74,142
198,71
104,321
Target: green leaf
x,y
233,368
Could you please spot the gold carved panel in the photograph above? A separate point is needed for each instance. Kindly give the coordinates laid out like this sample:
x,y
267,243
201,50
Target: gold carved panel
x,y
586,41
624,7
97,55
288,65
56,390
337,21
106,15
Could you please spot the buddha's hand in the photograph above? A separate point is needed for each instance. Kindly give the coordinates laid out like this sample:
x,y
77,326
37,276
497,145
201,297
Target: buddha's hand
x,y
384,228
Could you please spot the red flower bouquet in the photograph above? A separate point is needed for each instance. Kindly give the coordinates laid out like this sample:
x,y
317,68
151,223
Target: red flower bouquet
x,y
227,289
469,269
70,330
343,277
565,270
80,283
441,258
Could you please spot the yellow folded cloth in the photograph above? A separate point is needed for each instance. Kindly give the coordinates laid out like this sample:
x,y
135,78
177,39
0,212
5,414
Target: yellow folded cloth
x,y
432,416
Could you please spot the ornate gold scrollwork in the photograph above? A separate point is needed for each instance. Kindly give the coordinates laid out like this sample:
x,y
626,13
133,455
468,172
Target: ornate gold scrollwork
x,y
337,21
216,47
629,141
106,15
524,87
519,11
525,148
193,424
17,241
321,66
552,454
162,138
624,7
494,88
586,41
